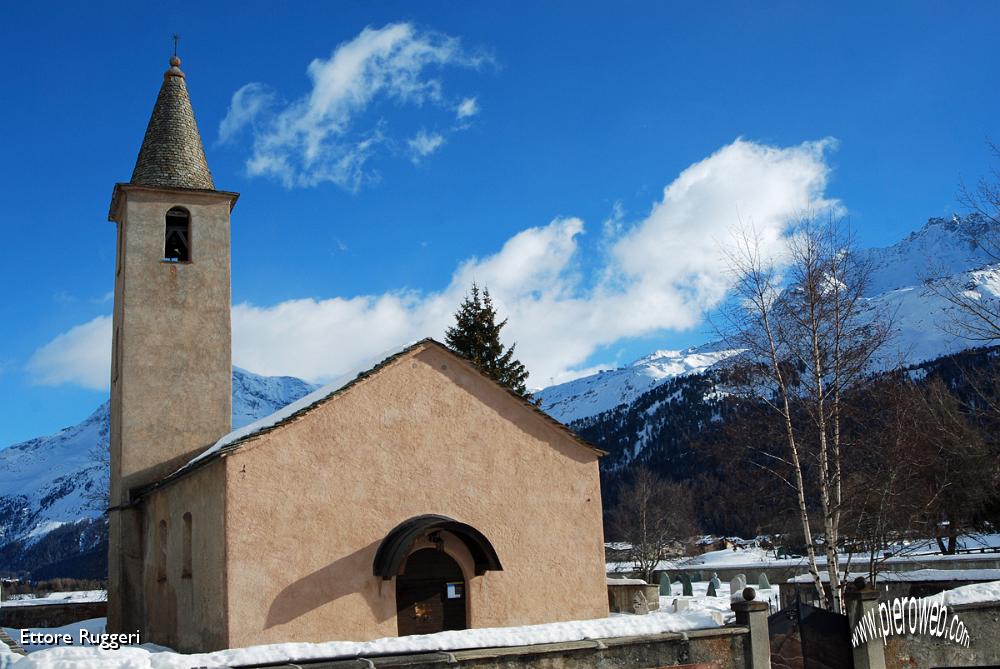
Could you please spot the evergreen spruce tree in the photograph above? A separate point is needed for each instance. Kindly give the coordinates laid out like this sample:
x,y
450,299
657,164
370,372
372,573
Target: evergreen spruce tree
x,y
476,336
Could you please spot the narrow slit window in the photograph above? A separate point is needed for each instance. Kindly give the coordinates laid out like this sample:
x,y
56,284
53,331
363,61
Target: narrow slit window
x,y
116,361
186,568
161,557
121,248
177,246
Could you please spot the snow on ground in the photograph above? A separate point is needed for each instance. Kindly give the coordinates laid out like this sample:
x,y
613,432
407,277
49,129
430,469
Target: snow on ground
x,y
973,594
923,551
677,614
58,598
618,545
721,603
7,656
155,657
93,626
968,542
732,558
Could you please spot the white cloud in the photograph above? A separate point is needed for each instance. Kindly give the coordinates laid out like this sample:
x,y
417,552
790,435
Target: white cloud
x,y
424,144
249,102
80,356
662,272
467,108
615,223
320,137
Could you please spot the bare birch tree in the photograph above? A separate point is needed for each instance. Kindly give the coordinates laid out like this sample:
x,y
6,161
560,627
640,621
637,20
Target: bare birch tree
x,y
809,336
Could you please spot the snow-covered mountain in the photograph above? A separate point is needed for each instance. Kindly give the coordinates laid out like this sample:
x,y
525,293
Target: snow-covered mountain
x,y
46,483
899,288
942,247
51,481
591,395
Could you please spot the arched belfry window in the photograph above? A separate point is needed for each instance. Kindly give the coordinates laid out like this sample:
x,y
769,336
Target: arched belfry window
x,y
177,240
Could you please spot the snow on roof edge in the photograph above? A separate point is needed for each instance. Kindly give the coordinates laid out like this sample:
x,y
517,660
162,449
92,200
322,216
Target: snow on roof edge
x,y
305,403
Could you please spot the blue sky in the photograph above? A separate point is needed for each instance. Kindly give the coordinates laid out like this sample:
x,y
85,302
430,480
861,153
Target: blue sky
x,y
527,145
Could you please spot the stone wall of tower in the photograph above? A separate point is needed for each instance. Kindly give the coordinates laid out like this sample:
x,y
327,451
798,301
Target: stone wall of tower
x,y
171,369
172,352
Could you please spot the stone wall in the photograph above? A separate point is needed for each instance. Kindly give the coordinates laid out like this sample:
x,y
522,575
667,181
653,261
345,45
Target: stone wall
x,y
724,648
919,651
888,590
50,615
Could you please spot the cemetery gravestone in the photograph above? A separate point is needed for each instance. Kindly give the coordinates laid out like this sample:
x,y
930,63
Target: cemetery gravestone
x,y
687,590
736,586
665,589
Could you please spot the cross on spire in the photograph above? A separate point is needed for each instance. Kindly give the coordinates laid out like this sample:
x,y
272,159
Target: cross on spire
x,y
177,38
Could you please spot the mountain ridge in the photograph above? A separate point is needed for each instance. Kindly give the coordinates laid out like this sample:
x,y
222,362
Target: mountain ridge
x,y
48,484
945,249
58,480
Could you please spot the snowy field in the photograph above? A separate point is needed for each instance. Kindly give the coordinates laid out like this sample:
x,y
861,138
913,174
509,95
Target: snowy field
x,y
755,558
718,606
75,596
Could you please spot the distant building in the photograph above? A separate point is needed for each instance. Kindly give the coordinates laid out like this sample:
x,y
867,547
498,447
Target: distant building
x,y
419,496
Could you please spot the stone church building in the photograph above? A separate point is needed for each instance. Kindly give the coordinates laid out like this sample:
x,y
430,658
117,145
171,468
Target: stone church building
x,y
415,497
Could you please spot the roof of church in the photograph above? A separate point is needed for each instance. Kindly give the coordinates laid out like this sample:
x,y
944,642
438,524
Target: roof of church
x,y
172,155
304,405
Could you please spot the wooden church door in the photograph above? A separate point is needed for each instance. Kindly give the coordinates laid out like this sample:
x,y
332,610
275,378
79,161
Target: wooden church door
x,y
430,594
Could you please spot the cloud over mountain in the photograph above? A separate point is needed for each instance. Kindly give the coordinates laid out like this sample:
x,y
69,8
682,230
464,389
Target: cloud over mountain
x,y
79,356
660,272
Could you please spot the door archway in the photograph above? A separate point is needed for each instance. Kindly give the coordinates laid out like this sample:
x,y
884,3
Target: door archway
x,y
430,594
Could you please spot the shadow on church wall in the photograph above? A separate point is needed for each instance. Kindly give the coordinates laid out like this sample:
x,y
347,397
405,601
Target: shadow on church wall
x,y
351,574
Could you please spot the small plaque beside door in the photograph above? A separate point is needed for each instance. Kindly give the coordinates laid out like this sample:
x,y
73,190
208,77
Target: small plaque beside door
x,y
454,590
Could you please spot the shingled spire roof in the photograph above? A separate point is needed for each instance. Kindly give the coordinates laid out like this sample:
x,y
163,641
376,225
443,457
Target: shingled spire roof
x,y
172,155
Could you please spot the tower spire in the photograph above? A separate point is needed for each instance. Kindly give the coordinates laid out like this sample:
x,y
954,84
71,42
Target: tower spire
x,y
172,155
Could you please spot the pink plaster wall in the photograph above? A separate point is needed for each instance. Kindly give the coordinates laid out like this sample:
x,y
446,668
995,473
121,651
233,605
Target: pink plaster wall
x,y
186,611
308,504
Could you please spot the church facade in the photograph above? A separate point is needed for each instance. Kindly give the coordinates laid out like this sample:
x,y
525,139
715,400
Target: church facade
x,y
415,497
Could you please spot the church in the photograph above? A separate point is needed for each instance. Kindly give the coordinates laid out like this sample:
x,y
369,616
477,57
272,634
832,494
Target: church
x,y
413,497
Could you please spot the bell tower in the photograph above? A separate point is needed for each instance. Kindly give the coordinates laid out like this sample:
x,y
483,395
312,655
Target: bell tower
x,y
171,369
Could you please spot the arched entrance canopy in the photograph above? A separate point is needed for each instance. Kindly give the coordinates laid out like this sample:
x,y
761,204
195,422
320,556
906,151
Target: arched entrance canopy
x,y
397,544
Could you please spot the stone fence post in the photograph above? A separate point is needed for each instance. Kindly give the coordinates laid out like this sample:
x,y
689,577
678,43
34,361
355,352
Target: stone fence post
x,y
859,599
754,615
